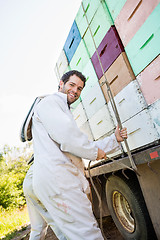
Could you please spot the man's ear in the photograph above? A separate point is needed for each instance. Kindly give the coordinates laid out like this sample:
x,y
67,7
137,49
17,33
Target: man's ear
x,y
61,83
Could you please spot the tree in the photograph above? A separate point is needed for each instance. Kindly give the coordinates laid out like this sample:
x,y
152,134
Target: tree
x,y
13,168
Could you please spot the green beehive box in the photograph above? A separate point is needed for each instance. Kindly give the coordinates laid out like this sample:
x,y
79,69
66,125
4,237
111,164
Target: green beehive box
x,y
75,104
91,78
99,26
115,7
90,8
80,58
145,45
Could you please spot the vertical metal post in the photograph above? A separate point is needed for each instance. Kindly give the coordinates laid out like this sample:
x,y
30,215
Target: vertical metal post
x,y
110,95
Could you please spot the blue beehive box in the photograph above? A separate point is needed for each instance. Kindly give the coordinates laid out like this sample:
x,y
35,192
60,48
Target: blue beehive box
x,y
72,41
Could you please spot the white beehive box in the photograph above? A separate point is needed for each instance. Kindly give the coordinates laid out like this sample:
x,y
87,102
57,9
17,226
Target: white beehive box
x,y
155,114
85,128
79,115
62,63
141,130
129,101
93,101
101,122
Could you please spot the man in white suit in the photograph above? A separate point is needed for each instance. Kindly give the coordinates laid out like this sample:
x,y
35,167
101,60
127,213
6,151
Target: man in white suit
x,y
59,185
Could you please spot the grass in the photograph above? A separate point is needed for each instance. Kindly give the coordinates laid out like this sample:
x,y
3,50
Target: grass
x,y
12,221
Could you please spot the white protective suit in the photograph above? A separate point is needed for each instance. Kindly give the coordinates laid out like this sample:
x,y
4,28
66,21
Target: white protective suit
x,y
39,216
58,180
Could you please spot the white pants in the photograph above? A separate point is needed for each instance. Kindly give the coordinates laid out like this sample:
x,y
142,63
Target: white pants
x,y
37,213
62,195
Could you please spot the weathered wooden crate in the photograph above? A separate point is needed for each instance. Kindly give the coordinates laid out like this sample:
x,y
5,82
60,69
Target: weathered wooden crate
x,y
118,76
149,80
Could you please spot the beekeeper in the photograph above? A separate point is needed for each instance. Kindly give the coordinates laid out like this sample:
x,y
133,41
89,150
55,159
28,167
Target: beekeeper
x,y
58,180
38,214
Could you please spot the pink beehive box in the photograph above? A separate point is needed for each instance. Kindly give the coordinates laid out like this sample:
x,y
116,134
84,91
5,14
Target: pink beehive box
x,y
149,80
132,16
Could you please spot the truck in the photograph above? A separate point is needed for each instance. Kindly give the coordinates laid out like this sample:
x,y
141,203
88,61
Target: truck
x,y
115,44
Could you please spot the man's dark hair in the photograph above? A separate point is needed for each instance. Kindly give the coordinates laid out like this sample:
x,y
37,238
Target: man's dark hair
x,y
67,75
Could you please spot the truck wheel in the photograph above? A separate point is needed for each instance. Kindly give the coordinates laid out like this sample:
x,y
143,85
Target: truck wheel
x,y
127,208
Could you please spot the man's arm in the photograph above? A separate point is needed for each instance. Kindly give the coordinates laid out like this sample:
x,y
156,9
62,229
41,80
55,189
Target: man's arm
x,y
63,130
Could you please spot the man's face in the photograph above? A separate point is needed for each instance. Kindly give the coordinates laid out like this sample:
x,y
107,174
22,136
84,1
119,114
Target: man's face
x,y
72,88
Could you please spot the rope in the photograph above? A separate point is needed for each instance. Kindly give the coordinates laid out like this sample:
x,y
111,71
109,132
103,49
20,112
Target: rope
x,y
99,200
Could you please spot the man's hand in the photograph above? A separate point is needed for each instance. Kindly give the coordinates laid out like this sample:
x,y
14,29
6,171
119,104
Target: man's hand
x,y
121,135
101,154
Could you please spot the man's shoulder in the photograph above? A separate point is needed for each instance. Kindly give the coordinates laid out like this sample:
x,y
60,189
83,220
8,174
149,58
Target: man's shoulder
x,y
54,99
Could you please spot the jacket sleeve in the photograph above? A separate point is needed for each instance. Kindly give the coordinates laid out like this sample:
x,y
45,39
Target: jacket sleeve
x,y
63,130
109,144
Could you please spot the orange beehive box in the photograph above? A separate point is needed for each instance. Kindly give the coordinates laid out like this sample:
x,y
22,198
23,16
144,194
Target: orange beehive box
x,y
118,75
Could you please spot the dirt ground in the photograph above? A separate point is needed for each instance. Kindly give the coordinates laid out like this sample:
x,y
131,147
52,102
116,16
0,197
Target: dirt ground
x,y
109,227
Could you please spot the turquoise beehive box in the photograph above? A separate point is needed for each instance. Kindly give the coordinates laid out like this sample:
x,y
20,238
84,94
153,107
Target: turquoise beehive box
x,y
90,8
115,7
145,45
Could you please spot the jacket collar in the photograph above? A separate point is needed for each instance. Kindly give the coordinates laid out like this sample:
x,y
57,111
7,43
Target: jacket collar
x,y
63,96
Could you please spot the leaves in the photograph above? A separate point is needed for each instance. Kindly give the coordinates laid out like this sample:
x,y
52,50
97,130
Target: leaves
x,y
13,168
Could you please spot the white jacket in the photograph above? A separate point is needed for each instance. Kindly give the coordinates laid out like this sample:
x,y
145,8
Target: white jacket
x,y
58,143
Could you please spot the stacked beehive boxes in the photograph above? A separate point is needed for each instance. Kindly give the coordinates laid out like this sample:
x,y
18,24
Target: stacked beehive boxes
x,y
127,38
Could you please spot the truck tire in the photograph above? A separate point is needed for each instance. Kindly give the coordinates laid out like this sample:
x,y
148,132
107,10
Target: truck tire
x,y
127,208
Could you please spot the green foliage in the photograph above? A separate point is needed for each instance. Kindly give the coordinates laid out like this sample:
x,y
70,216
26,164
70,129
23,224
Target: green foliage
x,y
11,221
13,168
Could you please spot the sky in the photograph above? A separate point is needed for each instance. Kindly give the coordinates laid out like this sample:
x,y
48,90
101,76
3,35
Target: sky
x,y
32,35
